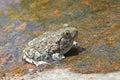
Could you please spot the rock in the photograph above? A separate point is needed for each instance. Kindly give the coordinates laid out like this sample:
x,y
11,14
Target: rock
x,y
62,74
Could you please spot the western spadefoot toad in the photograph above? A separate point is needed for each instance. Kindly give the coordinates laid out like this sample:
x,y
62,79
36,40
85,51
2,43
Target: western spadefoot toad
x,y
50,46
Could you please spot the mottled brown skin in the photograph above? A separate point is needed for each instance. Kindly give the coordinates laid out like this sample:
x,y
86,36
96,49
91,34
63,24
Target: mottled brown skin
x,y
50,46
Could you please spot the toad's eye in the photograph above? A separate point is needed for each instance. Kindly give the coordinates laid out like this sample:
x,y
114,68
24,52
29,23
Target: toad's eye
x,y
66,34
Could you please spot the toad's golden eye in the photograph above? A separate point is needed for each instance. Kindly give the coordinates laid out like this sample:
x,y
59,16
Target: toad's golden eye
x,y
66,34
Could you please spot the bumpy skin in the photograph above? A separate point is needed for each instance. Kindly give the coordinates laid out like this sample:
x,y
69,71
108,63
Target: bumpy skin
x,y
50,46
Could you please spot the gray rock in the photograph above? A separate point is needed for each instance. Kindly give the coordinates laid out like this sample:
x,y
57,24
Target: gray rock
x,y
62,74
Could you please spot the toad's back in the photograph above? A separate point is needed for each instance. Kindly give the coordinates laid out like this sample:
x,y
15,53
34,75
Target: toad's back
x,y
55,41
50,46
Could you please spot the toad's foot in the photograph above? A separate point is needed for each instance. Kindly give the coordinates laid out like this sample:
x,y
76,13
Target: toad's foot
x,y
37,63
76,44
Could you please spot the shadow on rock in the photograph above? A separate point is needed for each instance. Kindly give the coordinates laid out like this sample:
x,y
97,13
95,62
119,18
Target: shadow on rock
x,y
75,51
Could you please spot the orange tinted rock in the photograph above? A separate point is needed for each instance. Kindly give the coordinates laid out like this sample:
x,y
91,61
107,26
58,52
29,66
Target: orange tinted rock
x,y
87,2
46,1
116,66
18,71
22,27
56,13
3,60
31,66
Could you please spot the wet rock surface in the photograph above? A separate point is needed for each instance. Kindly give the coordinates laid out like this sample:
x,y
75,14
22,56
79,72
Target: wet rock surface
x,y
98,23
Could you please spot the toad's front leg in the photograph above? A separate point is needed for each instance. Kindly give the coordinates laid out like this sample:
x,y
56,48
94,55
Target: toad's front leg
x,y
76,44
